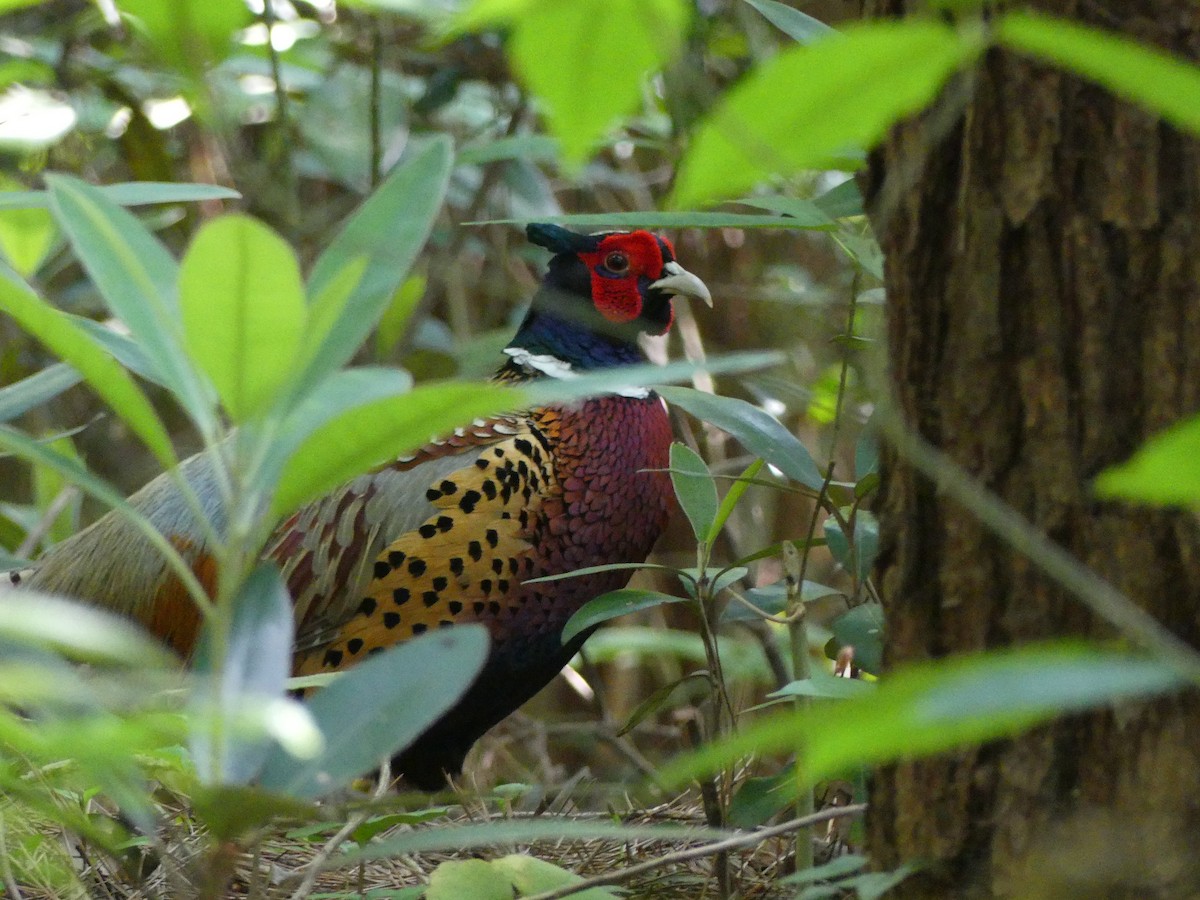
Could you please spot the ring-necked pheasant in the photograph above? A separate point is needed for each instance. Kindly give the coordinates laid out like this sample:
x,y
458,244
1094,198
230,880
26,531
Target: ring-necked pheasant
x,y
452,534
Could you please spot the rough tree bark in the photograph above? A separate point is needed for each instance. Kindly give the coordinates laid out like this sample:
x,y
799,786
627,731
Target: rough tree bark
x,y
1043,275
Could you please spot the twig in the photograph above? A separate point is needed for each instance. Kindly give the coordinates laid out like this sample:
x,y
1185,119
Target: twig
x,y
43,525
317,863
733,843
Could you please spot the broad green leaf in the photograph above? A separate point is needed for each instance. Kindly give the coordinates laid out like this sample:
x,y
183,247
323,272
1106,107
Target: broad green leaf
x,y
695,489
249,674
1164,84
772,599
528,147
137,278
191,35
795,24
132,193
231,811
1164,471
64,339
731,498
81,632
843,201
718,579
759,432
937,706
838,867
379,707
866,455
810,103
859,558
372,433
388,230
36,389
862,629
610,606
530,875
26,235
586,60
468,879
242,302
758,799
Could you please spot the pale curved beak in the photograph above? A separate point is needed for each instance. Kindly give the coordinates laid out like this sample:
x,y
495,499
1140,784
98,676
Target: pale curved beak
x,y
679,280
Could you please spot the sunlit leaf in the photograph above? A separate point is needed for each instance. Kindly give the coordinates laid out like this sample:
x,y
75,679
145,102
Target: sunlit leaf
x,y
242,302
191,35
1164,471
26,235
811,103
586,60
795,24
1164,84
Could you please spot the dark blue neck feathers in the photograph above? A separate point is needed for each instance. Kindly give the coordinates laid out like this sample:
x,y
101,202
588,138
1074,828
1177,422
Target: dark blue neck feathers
x,y
580,343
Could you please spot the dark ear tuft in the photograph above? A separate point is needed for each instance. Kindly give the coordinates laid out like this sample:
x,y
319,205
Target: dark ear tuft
x,y
557,239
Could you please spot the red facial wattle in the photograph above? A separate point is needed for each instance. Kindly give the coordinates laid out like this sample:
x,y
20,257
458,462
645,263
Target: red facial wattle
x,y
617,267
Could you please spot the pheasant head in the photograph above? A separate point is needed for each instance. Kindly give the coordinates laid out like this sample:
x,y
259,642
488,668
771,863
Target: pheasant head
x,y
600,293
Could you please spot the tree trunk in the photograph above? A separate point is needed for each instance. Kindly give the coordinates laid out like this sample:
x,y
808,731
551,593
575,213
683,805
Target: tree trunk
x,y
1043,276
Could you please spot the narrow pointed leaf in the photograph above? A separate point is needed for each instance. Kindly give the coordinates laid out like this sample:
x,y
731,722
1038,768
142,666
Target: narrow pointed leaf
x,y
388,230
795,24
58,332
376,432
732,496
1164,471
933,707
242,302
759,432
610,606
380,707
135,275
1164,84
695,489
36,389
812,103
133,193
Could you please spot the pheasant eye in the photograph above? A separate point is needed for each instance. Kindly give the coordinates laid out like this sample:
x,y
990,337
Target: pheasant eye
x,y
616,262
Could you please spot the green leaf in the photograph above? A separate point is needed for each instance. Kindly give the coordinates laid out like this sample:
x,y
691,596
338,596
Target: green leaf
x,y
64,339
859,557
732,496
26,235
843,201
1164,471
137,278
610,606
795,24
132,193
759,432
838,867
388,231
586,60
530,875
772,599
250,673
40,387
758,799
810,103
397,317
467,879
825,685
695,489
242,302
379,707
48,484
191,35
82,632
805,213
372,433
696,681
862,629
527,147
937,706
1164,84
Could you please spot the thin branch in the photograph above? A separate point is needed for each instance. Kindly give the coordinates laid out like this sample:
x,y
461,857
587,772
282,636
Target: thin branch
x,y
724,846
